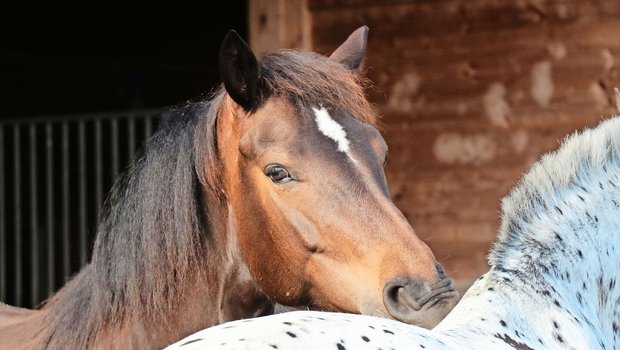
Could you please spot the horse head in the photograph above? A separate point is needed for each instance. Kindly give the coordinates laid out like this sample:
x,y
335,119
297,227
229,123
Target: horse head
x,y
302,175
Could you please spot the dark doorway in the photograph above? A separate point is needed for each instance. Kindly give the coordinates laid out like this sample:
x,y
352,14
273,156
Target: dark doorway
x,y
74,57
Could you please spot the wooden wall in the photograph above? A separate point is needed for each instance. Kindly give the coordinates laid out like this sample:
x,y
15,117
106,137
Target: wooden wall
x,y
472,92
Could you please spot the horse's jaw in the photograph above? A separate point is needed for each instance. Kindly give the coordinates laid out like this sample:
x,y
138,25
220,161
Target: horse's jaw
x,y
239,296
247,301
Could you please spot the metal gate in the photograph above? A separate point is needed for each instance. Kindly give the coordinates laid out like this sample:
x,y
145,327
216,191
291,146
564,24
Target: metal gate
x,y
54,176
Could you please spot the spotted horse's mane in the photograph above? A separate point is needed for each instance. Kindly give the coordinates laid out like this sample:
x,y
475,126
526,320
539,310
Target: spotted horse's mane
x,y
551,285
557,206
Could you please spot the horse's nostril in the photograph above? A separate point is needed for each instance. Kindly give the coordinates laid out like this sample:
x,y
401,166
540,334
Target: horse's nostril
x,y
391,296
417,302
401,296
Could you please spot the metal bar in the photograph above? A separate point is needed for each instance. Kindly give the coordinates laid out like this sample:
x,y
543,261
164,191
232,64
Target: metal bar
x,y
114,137
98,166
34,219
17,201
148,127
3,250
53,194
66,253
131,138
49,206
82,193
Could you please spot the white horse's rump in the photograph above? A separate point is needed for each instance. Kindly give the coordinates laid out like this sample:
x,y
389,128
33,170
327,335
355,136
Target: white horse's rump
x,y
552,282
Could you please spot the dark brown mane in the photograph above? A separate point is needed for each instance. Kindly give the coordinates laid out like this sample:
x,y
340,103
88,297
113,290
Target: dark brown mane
x,y
150,243
309,79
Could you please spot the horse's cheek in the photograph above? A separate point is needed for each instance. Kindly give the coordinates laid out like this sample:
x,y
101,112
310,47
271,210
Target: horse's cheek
x,y
274,260
274,264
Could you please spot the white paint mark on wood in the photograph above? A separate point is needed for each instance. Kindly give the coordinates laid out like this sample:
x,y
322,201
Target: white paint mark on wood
x,y
519,141
542,83
474,149
599,95
557,51
496,106
403,92
608,60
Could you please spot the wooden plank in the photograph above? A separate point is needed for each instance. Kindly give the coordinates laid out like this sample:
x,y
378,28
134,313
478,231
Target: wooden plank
x,y
278,24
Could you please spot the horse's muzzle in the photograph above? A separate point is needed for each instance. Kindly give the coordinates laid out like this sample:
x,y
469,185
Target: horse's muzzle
x,y
418,302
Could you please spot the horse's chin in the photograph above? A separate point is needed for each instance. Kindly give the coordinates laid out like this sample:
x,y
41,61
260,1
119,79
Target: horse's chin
x,y
434,310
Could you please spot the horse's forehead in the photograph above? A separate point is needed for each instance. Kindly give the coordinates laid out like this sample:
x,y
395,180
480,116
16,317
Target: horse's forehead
x,y
274,118
333,130
278,120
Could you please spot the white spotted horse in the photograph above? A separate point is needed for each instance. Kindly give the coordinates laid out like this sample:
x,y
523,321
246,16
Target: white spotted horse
x,y
552,282
271,190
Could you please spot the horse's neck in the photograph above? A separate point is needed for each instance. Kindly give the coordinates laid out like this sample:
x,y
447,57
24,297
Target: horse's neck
x,y
83,315
76,317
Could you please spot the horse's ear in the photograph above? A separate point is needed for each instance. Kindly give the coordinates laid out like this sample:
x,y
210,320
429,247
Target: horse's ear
x,y
239,70
352,51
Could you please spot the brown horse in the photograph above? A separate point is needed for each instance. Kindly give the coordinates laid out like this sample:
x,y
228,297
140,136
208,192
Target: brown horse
x,y
272,190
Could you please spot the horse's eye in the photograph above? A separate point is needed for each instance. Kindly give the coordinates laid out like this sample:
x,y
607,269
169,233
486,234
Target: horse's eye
x,y
277,174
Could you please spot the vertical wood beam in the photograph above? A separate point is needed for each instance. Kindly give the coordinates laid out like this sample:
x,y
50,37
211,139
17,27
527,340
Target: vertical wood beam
x,y
278,24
